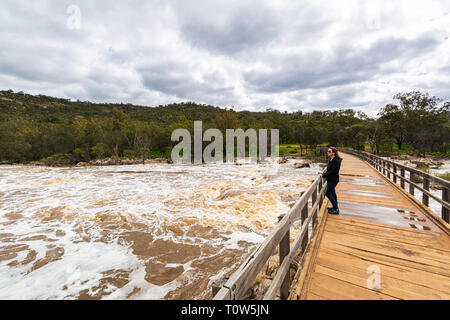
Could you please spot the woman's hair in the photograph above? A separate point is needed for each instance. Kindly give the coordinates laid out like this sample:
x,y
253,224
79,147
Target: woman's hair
x,y
335,151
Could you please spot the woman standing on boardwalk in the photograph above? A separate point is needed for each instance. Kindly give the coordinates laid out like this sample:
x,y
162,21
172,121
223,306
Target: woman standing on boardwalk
x,y
332,175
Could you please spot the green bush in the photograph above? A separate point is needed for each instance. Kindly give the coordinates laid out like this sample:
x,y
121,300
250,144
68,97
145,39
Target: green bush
x,y
81,154
445,176
130,154
156,154
58,159
101,150
423,167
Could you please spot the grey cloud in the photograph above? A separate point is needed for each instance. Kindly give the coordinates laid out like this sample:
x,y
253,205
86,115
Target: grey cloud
x,y
39,62
347,65
227,27
261,53
176,78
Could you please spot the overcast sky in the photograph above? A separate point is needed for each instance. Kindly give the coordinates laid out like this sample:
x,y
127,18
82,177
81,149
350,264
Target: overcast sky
x,y
252,55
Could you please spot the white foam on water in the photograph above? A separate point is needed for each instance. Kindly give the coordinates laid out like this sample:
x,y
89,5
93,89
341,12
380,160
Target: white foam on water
x,y
67,205
80,269
236,237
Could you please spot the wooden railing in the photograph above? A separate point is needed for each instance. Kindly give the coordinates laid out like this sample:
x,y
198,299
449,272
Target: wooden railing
x,y
244,278
391,169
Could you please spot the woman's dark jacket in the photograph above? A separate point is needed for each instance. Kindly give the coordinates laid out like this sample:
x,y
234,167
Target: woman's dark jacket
x,y
332,173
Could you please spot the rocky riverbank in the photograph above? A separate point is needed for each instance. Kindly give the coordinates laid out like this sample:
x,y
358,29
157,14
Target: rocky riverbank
x,y
428,162
97,162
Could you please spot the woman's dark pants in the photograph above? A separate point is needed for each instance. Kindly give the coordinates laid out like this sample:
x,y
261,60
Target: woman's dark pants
x,y
331,194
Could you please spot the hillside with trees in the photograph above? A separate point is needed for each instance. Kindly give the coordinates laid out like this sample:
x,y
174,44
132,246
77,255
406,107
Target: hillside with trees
x,y
35,128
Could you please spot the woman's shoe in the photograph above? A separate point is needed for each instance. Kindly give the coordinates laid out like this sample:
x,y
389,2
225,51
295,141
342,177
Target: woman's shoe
x,y
333,211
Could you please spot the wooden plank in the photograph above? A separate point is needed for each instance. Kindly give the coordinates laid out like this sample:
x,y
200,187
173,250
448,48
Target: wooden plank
x,y
389,247
346,262
385,229
399,238
372,200
389,286
312,296
405,220
379,256
332,288
409,253
381,226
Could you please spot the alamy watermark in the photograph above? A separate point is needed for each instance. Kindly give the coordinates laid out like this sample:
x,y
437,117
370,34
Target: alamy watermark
x,y
374,280
74,19
191,151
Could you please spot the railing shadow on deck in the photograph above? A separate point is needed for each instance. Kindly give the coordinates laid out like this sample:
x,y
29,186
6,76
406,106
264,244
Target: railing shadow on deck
x,y
384,166
243,278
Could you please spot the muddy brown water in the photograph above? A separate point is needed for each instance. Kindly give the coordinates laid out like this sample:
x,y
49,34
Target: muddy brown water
x,y
155,231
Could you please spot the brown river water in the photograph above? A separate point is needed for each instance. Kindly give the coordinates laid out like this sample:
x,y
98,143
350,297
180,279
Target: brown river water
x,y
155,231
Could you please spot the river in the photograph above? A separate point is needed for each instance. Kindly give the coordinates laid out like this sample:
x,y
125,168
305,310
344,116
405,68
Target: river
x,y
154,231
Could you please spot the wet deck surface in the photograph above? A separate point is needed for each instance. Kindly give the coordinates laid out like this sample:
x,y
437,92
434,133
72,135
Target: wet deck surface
x,y
379,229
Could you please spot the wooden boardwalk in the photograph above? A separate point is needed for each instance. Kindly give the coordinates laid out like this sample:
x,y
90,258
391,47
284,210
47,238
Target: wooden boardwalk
x,y
381,234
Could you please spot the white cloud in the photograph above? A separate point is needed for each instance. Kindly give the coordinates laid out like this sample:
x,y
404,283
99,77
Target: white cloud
x,y
249,54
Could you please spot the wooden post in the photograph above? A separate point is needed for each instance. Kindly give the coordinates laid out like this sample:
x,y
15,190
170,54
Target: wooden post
x,y
411,179
314,198
402,180
388,170
446,198
217,285
304,217
320,189
284,249
426,186
394,176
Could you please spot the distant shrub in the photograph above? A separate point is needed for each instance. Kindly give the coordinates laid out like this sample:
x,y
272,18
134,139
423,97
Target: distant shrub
x,y
445,176
130,154
423,167
59,159
101,150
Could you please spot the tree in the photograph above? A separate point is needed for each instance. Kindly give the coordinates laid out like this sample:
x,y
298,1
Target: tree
x,y
394,121
356,135
143,139
375,134
422,115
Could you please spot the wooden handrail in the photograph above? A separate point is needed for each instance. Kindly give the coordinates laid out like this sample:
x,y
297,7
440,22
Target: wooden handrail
x,y
283,270
384,166
244,277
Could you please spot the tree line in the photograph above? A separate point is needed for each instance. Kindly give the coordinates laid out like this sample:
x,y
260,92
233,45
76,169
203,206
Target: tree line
x,y
39,127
